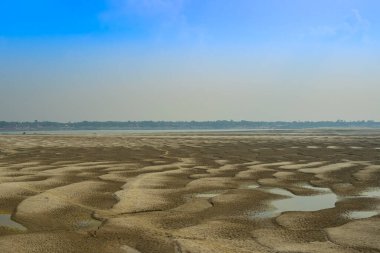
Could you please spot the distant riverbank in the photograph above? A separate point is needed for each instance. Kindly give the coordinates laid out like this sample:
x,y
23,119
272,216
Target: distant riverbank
x,y
224,125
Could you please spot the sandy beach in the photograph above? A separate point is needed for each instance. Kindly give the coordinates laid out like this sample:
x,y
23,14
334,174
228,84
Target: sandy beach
x,y
278,191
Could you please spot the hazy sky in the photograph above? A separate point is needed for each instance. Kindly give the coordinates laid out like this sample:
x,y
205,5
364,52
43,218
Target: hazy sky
x,y
71,60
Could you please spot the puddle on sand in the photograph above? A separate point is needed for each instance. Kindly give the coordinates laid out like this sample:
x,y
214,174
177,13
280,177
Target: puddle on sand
x,y
209,194
127,249
325,199
87,224
371,193
249,186
361,214
294,202
333,147
6,221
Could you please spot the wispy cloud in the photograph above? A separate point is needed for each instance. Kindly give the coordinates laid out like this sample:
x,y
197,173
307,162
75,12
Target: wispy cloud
x,y
354,26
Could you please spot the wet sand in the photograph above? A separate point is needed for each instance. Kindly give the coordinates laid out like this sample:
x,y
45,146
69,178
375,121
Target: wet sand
x,y
277,191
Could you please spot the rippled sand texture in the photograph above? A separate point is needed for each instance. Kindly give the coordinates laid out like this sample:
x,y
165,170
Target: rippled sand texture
x,y
191,192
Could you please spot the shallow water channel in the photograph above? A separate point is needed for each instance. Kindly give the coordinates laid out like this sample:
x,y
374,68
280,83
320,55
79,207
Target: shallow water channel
x,y
6,221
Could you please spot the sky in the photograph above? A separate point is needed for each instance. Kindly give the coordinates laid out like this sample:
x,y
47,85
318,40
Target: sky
x,y
74,60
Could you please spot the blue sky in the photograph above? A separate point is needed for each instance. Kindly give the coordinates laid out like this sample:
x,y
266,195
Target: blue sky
x,y
189,59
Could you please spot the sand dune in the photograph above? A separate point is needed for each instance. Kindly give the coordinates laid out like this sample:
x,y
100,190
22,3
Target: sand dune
x,y
188,192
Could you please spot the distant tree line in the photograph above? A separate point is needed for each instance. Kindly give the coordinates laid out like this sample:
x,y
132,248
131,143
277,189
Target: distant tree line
x,y
182,125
